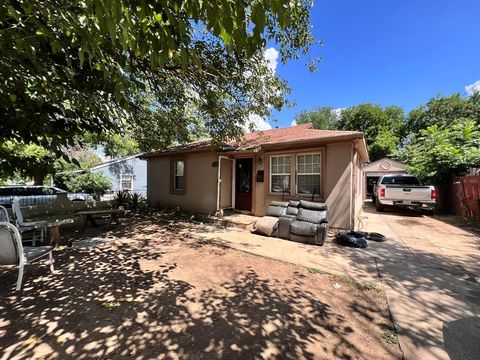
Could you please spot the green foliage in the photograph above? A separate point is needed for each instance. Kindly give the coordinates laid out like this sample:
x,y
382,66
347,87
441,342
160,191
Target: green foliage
x,y
134,202
102,66
27,161
322,117
438,154
443,112
382,127
95,184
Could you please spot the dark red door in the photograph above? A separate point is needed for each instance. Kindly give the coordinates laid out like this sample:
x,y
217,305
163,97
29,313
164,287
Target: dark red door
x,y
243,184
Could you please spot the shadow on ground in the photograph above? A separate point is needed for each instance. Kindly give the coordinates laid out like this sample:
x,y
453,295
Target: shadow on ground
x,y
153,292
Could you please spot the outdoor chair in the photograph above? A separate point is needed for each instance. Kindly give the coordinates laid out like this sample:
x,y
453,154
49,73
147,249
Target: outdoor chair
x,y
12,252
4,215
36,227
308,225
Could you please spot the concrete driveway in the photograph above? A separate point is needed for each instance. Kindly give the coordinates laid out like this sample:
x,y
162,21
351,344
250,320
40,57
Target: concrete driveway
x,y
430,270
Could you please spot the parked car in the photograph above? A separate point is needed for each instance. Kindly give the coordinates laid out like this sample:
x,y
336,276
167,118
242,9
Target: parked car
x,y
403,190
35,195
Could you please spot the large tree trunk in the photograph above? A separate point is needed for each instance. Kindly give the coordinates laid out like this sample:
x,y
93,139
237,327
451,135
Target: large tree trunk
x,y
38,178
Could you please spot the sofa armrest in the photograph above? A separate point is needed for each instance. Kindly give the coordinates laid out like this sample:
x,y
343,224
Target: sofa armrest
x,y
321,235
284,226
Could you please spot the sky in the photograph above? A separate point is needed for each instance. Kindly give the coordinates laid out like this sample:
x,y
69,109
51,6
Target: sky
x,y
386,52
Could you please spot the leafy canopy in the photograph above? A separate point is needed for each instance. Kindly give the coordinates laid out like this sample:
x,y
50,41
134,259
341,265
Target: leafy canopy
x,y
95,184
443,112
440,153
105,66
322,117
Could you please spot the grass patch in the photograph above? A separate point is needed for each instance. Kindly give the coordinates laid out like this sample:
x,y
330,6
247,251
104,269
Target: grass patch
x,y
390,336
314,270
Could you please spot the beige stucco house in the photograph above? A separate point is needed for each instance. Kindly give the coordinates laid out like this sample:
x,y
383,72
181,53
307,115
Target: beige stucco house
x,y
297,162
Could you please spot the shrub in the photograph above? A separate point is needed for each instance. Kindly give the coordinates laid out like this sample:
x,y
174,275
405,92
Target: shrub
x,y
95,184
134,202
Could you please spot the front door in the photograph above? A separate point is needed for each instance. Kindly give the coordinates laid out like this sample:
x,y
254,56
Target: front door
x,y
243,184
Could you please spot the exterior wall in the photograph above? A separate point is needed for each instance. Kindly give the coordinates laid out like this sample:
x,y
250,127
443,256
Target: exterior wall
x,y
200,183
338,185
340,169
337,182
133,166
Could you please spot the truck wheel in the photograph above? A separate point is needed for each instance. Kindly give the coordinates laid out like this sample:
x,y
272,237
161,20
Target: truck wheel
x,y
379,207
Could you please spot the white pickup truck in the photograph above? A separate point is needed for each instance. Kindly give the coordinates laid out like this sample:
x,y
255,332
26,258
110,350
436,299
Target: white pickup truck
x,y
403,190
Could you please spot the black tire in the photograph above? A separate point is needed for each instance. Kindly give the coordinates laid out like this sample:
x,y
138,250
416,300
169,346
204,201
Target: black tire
x,y
373,236
379,207
352,239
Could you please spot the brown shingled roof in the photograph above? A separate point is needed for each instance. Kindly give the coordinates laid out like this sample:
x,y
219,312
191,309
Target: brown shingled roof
x,y
292,134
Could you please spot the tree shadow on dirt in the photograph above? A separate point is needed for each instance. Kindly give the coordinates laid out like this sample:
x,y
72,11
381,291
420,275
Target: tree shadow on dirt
x,y
105,302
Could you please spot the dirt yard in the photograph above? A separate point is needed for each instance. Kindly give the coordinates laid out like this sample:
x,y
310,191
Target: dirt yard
x,y
154,291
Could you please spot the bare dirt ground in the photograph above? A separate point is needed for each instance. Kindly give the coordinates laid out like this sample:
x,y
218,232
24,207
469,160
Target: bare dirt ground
x,y
155,291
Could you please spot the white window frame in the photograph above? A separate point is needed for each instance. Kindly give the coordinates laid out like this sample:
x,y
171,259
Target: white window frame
x,y
175,161
121,182
271,174
297,173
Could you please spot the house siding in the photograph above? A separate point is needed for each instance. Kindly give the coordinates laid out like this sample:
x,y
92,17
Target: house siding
x,y
133,166
341,181
200,183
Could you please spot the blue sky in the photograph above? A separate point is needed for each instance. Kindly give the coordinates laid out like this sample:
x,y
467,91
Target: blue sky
x,y
387,52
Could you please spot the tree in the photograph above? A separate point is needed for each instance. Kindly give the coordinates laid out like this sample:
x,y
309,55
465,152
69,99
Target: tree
x,y
25,161
382,127
95,184
443,112
322,117
100,66
438,154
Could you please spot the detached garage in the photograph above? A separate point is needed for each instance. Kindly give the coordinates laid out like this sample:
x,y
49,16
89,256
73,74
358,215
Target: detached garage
x,y
372,172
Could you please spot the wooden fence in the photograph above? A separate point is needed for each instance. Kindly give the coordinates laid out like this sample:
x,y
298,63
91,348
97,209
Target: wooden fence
x,y
464,196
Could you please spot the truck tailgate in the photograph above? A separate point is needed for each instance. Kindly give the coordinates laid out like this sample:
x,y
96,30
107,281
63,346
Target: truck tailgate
x,y
412,193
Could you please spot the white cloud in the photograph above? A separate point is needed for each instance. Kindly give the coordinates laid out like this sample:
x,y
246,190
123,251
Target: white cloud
x,y
271,55
293,123
260,123
473,88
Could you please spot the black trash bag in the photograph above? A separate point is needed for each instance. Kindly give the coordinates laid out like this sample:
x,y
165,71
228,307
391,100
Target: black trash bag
x,y
352,238
373,236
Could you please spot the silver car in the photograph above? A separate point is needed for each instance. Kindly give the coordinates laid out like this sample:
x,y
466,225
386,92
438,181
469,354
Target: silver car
x,y
36,194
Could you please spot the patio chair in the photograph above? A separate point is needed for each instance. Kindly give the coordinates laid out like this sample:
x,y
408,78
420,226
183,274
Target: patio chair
x,y
12,252
33,226
4,215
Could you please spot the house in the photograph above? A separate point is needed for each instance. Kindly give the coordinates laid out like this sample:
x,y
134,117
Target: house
x,y
297,162
372,172
126,174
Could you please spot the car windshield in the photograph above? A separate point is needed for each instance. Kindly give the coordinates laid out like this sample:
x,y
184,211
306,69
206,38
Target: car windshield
x,y
400,180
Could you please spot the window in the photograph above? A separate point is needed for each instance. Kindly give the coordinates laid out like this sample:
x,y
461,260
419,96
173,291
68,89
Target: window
x,y
308,174
126,181
280,174
178,175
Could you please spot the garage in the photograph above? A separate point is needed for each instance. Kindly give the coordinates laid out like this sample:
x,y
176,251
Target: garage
x,y
374,170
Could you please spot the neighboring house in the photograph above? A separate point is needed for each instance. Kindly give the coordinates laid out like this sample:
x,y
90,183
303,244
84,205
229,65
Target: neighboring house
x,y
297,162
372,172
126,174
